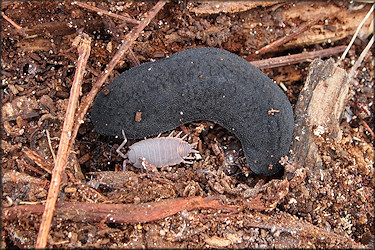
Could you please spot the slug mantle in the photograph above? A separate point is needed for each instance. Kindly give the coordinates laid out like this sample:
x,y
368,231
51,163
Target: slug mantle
x,y
201,84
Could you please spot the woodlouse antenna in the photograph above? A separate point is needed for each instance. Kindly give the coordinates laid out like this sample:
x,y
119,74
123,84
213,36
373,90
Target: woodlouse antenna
x,y
124,165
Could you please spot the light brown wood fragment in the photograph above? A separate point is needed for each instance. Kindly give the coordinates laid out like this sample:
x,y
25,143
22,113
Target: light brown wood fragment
x,y
17,177
284,222
216,7
341,22
39,160
138,116
318,110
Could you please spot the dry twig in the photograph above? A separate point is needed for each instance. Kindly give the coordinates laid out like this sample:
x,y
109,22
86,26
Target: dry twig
x,y
361,57
124,213
23,163
50,145
23,116
40,161
128,41
297,58
284,39
19,28
64,147
106,12
357,31
367,127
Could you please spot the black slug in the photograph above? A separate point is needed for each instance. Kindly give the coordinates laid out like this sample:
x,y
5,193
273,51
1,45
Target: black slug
x,y
201,84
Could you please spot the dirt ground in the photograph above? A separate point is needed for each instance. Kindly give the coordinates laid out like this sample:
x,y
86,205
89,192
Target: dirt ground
x,y
332,207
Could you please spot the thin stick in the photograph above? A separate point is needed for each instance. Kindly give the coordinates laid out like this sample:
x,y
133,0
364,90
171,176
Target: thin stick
x,y
125,213
133,59
285,39
19,28
50,146
21,162
368,128
297,58
357,31
106,12
64,149
23,116
361,57
128,41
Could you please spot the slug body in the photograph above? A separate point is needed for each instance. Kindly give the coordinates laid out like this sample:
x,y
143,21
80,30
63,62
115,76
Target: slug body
x,y
201,84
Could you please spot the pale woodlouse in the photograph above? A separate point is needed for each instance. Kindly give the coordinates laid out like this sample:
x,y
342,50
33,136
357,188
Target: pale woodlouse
x,y
158,152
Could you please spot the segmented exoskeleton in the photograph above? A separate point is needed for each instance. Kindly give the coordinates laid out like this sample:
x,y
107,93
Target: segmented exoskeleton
x,y
159,151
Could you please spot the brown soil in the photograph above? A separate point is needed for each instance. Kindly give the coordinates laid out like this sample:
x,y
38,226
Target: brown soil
x,y
333,207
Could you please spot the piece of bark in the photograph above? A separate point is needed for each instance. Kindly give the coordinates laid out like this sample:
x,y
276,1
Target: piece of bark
x,y
18,177
282,222
341,22
318,110
266,197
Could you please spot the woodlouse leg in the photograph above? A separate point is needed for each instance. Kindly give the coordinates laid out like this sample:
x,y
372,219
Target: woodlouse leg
x,y
126,161
188,162
194,151
158,135
182,138
121,146
189,158
178,134
170,135
147,167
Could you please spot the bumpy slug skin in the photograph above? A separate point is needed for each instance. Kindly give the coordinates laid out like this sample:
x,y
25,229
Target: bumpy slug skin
x,y
201,84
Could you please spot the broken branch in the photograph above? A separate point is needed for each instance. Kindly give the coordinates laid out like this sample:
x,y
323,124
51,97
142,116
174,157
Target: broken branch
x,y
285,39
297,58
64,147
106,12
123,213
18,28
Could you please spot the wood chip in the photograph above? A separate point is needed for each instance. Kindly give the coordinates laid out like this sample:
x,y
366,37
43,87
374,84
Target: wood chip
x,y
216,7
138,116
